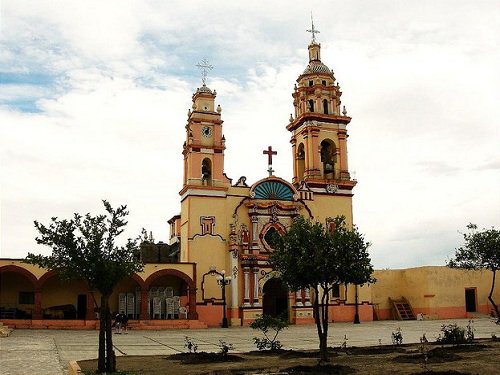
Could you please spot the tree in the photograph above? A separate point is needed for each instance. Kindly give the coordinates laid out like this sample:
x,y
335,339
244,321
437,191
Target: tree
x,y
309,256
481,250
357,268
84,248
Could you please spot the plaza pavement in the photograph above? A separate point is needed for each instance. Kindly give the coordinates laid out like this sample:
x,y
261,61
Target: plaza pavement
x,y
47,352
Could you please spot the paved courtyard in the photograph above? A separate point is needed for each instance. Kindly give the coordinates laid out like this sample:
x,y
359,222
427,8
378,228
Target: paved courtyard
x,y
47,352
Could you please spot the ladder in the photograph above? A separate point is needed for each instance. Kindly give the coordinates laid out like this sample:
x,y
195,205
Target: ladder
x,y
401,309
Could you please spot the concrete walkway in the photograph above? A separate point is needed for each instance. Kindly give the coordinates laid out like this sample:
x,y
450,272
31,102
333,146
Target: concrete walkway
x,y
47,352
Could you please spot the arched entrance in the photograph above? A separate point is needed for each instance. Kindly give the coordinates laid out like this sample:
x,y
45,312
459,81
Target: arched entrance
x,y
275,298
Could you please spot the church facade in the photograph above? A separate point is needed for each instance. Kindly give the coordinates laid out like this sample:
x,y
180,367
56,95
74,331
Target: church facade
x,y
214,269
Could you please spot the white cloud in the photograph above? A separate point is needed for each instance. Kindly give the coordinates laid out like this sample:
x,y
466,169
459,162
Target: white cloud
x,y
420,81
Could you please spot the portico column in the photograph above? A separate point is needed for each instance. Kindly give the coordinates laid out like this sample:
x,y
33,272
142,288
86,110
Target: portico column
x,y
307,297
298,298
90,314
192,314
144,315
37,305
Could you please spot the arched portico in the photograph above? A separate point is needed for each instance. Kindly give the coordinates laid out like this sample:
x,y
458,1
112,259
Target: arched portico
x,y
168,282
21,297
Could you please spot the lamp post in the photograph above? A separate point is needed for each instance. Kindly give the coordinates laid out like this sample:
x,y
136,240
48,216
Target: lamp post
x,y
222,281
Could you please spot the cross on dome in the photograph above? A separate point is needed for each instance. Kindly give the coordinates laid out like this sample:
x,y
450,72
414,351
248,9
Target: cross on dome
x,y
313,31
205,67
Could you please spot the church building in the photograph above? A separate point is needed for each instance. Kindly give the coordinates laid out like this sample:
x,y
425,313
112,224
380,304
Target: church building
x,y
214,269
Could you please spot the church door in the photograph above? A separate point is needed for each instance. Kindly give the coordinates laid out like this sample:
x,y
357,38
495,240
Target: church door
x,y
275,298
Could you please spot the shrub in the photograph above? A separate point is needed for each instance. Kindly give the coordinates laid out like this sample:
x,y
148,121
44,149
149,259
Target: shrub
x,y
266,323
190,345
224,348
452,334
397,337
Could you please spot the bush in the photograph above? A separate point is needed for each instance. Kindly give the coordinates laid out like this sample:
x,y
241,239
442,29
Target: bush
x,y
266,323
453,334
190,345
224,348
397,337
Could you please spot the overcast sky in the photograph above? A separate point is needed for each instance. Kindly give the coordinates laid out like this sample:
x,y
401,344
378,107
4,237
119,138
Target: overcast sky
x,y
94,98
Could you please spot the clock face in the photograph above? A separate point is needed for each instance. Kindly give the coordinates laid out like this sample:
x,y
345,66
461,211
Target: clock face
x,y
206,131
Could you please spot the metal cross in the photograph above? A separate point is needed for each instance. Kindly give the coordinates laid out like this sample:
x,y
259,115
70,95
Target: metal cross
x,y
204,66
269,152
313,31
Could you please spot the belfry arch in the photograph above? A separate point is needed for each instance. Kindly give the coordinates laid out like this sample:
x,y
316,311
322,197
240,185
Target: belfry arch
x,y
328,153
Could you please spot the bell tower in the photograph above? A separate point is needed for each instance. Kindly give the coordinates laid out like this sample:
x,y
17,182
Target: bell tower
x,y
204,147
319,129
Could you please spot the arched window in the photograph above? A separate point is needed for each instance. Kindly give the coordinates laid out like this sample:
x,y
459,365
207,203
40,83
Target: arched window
x,y
325,106
311,105
328,155
206,172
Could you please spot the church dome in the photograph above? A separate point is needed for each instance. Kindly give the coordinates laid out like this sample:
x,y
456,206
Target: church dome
x,y
317,67
204,89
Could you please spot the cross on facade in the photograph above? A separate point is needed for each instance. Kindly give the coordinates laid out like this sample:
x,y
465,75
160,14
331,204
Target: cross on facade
x,y
205,67
313,31
269,152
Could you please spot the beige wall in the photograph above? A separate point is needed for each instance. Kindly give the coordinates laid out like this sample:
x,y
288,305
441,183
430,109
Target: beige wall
x,y
436,291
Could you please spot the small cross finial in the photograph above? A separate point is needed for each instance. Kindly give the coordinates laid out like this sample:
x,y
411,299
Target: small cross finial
x,y
205,67
313,31
269,152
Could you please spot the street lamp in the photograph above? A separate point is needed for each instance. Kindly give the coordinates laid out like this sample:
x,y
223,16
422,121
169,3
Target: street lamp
x,y
222,281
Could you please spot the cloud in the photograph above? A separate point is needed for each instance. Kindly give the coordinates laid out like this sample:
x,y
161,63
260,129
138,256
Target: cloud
x,y
94,97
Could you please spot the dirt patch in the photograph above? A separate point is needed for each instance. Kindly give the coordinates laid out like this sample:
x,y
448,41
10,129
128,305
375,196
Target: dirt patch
x,y
475,359
204,357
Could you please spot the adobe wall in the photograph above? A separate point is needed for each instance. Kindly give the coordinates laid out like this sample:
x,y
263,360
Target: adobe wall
x,y
438,292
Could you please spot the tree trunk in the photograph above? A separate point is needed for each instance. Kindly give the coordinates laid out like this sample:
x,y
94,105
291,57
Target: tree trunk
x,y
110,353
356,314
101,362
490,297
318,320
324,314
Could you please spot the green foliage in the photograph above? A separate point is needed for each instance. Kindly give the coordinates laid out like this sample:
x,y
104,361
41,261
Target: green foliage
x,y
453,334
224,348
481,250
267,323
191,346
309,256
84,248
397,337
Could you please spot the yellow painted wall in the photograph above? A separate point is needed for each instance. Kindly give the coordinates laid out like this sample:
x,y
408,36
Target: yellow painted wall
x,y
432,289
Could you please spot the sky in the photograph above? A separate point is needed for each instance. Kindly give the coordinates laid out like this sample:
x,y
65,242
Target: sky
x,y
94,98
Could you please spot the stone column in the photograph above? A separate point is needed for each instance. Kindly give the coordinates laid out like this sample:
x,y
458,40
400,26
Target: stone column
x,y
192,314
298,298
315,151
143,314
343,152
37,306
246,287
90,313
307,297
294,157
255,244
256,287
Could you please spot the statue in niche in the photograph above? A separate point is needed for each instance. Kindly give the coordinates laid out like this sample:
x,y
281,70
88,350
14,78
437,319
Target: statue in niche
x,y
244,235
